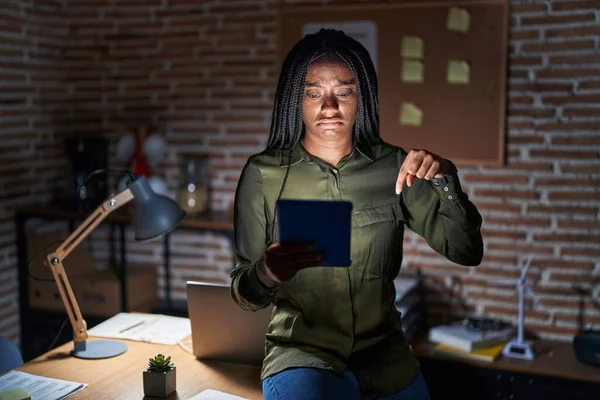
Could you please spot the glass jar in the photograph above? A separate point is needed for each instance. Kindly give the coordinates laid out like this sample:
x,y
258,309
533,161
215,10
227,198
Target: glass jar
x,y
193,194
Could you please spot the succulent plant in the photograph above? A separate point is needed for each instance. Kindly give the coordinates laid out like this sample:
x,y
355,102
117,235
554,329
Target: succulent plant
x,y
160,364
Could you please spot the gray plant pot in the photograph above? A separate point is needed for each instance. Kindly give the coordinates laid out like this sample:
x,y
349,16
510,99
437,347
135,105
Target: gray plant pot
x,y
159,384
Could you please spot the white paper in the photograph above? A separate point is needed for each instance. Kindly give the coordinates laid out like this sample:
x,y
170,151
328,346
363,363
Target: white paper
x,y
39,387
152,328
211,394
365,32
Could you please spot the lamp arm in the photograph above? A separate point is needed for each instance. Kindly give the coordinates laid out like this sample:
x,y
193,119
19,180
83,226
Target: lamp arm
x,y
55,260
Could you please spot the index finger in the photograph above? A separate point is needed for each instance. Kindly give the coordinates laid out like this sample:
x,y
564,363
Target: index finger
x,y
401,178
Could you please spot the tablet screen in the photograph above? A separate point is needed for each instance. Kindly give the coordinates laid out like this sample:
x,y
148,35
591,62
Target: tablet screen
x,y
325,224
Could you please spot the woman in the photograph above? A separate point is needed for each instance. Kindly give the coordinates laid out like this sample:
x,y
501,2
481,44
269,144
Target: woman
x,y
335,332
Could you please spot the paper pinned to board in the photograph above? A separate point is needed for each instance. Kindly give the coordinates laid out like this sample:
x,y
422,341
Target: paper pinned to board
x,y
412,47
458,19
412,71
211,394
411,115
459,72
39,387
152,328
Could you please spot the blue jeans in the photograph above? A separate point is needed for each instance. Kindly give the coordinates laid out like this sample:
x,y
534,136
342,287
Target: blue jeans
x,y
322,384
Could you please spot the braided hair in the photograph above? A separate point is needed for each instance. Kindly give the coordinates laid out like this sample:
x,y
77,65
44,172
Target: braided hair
x,y
287,126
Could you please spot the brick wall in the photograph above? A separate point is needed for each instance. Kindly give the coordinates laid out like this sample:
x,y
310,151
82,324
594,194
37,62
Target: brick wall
x,y
204,74
32,37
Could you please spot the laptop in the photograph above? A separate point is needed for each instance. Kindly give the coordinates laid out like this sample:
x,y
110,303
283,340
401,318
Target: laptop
x,y
222,330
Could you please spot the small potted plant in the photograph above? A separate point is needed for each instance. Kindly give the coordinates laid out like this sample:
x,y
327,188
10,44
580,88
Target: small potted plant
x,y
159,378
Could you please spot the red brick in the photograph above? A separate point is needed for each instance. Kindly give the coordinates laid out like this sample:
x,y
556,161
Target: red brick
x,y
478,178
568,5
530,166
520,248
525,139
575,59
582,98
519,221
507,194
553,209
589,85
577,140
541,87
519,125
570,154
590,30
563,264
568,126
524,34
582,112
580,251
532,112
491,234
578,224
561,182
578,169
511,312
527,7
567,73
551,47
556,19
566,237
502,207
575,195
575,319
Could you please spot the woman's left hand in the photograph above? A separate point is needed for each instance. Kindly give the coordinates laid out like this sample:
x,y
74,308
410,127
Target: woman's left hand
x,y
421,164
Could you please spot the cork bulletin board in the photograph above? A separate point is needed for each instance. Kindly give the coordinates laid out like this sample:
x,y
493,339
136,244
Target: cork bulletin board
x,y
441,69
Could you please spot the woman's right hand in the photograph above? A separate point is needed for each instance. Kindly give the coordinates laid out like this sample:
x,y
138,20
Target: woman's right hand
x,y
282,261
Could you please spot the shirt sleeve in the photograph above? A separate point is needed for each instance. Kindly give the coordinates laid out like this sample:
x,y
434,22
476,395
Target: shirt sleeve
x,y
249,228
445,217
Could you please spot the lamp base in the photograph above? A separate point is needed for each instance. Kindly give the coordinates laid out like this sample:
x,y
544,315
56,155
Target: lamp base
x,y
524,350
98,349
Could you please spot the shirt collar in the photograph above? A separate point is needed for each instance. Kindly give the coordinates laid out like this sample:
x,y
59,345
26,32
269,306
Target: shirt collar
x,y
300,154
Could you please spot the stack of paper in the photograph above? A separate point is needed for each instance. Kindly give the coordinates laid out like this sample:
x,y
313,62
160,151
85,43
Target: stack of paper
x,y
39,387
460,337
152,328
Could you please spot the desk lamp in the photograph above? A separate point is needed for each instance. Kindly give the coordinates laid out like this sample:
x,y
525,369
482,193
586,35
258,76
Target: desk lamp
x,y
154,215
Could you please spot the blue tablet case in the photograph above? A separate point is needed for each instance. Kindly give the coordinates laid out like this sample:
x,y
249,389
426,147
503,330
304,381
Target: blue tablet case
x,y
325,224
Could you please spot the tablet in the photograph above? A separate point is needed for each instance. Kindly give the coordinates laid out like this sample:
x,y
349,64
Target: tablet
x,y
325,224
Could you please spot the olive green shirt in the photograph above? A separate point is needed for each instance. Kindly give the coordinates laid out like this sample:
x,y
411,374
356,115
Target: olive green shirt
x,y
342,318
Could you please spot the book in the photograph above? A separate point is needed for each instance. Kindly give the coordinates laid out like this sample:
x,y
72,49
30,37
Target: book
x,y
487,354
458,336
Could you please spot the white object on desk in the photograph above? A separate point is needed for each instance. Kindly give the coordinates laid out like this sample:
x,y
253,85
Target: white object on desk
x,y
39,387
152,328
211,394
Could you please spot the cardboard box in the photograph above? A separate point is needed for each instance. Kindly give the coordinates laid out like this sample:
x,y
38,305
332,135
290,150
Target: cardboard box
x,y
98,292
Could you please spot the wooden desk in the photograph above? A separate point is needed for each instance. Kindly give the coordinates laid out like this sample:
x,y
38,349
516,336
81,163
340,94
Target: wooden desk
x,y
121,377
555,373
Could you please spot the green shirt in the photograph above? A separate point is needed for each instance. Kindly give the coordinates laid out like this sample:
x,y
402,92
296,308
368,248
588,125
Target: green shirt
x,y
344,318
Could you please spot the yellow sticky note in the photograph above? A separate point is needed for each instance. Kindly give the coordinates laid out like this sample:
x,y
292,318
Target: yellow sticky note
x,y
15,394
412,71
459,71
411,115
458,19
412,47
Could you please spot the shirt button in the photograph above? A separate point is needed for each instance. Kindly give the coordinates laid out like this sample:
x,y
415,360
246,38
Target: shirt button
x,y
450,197
335,171
446,189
